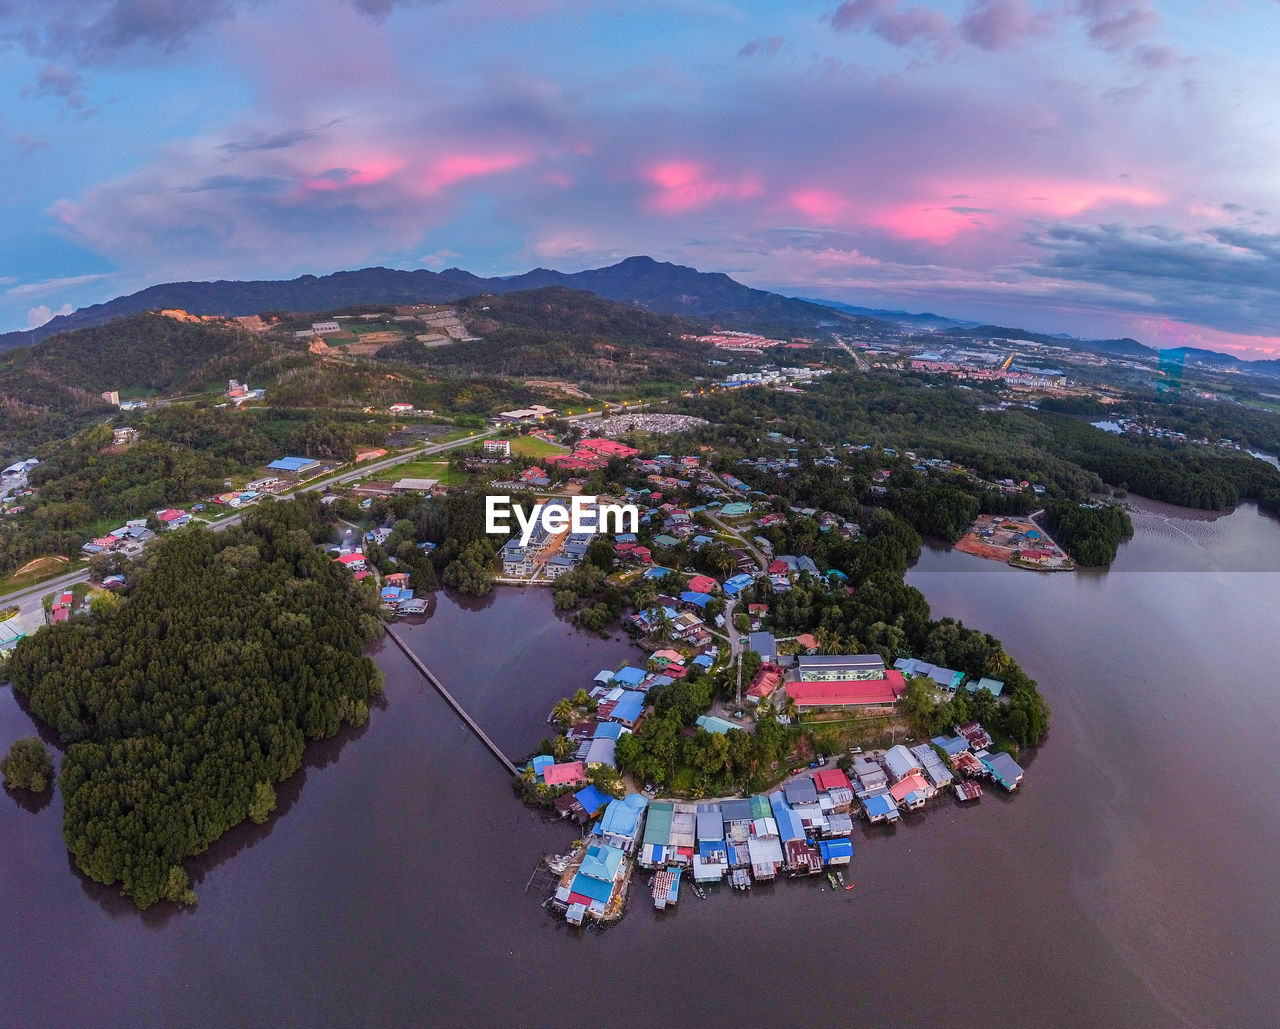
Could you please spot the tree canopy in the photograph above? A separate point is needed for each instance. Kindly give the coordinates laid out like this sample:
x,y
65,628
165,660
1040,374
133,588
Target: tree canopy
x,y
183,705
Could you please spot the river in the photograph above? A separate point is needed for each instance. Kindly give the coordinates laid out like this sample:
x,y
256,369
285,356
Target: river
x,y
1129,882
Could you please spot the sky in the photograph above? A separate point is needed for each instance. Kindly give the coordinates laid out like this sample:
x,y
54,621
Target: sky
x,y
1097,167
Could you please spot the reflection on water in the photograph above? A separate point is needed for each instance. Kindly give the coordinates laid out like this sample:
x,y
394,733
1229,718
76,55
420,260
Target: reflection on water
x,y
1128,883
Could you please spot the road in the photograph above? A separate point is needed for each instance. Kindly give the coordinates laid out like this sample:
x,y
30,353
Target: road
x,y
36,592
751,547
857,358
27,595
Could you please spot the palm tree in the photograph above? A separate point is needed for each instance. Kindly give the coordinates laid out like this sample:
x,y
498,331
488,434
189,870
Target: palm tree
x,y
563,711
561,747
790,708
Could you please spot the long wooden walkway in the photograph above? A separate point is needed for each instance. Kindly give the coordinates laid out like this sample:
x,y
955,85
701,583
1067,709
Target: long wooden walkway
x,y
458,708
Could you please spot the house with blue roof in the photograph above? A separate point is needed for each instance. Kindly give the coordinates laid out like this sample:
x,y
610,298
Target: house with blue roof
x,y
597,877
880,808
986,683
591,800
628,709
540,762
714,724
656,572
836,852
736,584
608,731
698,600
1004,769
628,675
951,746
620,826
295,465
703,661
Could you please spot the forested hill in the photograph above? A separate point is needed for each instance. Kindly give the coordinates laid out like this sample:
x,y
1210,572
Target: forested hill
x,y
641,281
568,334
187,703
54,388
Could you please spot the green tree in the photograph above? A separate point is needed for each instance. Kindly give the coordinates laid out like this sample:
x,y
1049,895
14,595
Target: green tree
x,y
27,766
263,802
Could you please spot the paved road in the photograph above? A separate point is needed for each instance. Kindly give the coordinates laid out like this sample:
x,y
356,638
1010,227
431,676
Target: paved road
x,y
34,594
27,595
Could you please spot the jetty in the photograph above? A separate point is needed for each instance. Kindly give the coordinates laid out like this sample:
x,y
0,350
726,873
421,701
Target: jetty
x,y
461,712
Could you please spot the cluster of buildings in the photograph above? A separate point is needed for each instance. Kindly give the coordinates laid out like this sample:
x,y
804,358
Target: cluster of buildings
x,y
546,553
130,537
803,828
591,454
777,377
239,394
396,596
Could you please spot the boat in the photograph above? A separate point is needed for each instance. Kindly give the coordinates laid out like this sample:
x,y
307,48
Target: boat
x,y
840,876
831,878
850,886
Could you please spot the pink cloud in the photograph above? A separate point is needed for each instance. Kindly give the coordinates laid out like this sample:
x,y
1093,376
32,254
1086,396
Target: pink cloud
x,y
366,172
685,186
818,204
938,225
455,168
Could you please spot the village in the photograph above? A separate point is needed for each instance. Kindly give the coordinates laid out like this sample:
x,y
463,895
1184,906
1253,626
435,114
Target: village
x,y
804,827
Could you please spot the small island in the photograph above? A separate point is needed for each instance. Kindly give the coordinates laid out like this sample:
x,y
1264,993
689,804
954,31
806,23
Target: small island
x,y
27,766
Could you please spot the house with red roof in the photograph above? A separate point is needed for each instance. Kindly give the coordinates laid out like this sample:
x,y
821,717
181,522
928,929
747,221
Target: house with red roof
x,y
172,518
860,693
831,779
701,584
766,681
354,562
608,448
569,773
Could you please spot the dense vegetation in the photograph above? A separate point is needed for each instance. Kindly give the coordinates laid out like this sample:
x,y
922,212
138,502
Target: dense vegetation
x,y
184,453
1069,457
563,334
186,704
27,766
53,389
1091,534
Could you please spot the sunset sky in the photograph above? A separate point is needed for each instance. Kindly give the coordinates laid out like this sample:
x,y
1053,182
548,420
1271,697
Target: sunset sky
x,y
1099,167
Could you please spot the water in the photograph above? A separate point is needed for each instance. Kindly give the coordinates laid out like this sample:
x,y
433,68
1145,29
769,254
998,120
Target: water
x,y
1129,882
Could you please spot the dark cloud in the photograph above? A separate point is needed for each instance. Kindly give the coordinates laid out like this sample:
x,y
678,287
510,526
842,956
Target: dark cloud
x,y
52,80
1225,276
1155,57
762,47
274,141
97,32
997,24
249,185
917,27
1118,24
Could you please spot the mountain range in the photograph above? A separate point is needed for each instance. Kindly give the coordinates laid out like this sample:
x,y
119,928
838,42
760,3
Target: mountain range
x,y
658,287
655,286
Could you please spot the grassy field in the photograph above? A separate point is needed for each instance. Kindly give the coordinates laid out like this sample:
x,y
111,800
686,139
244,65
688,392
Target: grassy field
x,y
36,571
531,446
427,470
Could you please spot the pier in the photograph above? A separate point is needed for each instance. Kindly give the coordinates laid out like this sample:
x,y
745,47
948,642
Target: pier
x,y
449,698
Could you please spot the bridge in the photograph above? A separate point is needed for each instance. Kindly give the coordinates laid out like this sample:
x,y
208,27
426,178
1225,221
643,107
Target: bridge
x,y
427,674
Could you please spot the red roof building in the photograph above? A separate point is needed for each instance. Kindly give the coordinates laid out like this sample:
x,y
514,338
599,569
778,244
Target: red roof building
x,y
849,692
702,584
567,774
778,567
768,678
831,779
608,448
